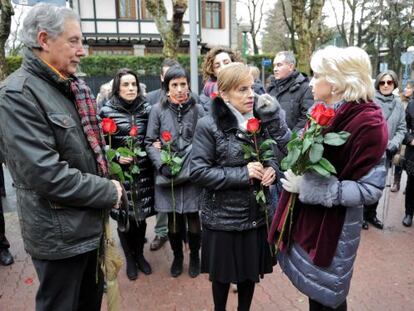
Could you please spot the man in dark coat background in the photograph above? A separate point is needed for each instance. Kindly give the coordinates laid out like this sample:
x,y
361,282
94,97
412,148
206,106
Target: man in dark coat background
x,y
291,89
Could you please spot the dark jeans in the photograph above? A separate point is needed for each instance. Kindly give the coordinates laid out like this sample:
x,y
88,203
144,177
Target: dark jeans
x,y
3,241
409,195
316,306
69,284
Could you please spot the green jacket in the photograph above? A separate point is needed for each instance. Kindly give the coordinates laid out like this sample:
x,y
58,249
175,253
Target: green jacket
x,y
60,198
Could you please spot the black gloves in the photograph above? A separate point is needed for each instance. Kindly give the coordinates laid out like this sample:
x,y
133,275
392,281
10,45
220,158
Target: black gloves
x,y
267,108
166,171
391,152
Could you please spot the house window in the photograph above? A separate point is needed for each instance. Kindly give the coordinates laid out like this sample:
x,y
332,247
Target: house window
x,y
145,14
126,9
213,14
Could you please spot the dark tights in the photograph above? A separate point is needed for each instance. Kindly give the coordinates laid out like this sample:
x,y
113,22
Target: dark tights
x,y
316,306
245,292
193,221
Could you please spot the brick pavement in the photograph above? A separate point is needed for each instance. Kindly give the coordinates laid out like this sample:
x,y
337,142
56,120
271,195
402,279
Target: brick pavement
x,y
383,276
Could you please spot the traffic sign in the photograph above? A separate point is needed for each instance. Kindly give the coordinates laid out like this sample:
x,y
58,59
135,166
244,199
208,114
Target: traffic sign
x,y
34,2
407,58
266,62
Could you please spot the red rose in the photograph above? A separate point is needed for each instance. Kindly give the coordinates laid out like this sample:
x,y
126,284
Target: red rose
x,y
322,115
253,125
134,131
109,126
213,95
166,136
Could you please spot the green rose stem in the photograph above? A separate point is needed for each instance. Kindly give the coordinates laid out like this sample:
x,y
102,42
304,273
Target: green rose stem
x,y
262,198
291,204
172,191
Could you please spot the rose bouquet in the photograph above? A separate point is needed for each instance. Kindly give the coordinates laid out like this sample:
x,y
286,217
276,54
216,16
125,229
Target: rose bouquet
x,y
132,149
305,153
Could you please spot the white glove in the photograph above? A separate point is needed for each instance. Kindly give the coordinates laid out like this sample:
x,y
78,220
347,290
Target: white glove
x,y
291,182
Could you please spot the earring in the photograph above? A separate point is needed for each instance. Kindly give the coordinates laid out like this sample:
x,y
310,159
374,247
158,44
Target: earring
x,y
168,94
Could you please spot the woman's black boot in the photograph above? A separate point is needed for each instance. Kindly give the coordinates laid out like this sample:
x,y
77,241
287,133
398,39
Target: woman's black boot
x,y
177,247
194,243
131,265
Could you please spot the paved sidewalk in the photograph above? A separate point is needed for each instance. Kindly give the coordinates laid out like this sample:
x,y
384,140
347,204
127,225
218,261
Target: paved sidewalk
x,y
383,276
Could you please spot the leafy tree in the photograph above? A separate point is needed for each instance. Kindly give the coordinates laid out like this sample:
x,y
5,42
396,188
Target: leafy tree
x,y
171,32
6,12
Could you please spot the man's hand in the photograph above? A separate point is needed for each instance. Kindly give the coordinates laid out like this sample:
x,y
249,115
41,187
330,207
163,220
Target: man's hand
x,y
125,160
118,191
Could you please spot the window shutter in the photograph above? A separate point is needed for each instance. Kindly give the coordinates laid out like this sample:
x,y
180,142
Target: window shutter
x,y
222,15
203,13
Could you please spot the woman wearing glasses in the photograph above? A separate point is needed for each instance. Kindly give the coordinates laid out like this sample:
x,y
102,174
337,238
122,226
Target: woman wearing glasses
x,y
393,111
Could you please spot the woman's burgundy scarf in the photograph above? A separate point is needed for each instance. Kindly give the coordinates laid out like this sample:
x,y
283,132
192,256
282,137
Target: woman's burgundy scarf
x,y
316,228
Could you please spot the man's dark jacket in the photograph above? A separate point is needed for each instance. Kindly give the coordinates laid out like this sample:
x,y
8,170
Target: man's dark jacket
x,y
295,98
60,198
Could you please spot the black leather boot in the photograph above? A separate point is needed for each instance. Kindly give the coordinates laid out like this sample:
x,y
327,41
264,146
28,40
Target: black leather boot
x,y
142,263
131,265
177,247
194,243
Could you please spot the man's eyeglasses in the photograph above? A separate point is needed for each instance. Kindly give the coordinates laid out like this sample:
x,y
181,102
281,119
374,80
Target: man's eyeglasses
x,y
389,82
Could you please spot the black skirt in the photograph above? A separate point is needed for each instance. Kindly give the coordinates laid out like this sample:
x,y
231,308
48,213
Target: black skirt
x,y
236,256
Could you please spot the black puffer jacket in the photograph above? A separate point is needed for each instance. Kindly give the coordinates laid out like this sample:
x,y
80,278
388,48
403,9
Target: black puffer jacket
x,y
219,166
295,98
124,115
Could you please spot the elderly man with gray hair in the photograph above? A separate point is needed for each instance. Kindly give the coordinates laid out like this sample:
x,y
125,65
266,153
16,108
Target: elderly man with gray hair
x,y
291,89
53,147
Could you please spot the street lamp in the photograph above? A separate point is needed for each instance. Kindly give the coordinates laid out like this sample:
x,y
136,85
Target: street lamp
x,y
244,27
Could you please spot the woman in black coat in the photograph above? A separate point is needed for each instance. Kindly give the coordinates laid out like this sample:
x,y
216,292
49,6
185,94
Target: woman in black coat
x,y
234,249
128,108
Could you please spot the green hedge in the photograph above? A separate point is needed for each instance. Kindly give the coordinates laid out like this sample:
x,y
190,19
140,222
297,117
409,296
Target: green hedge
x,y
108,65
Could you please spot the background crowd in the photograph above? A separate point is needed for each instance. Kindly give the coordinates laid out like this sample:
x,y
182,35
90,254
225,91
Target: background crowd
x,y
209,166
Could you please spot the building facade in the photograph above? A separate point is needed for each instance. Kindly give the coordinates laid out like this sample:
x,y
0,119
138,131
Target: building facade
x,y
125,27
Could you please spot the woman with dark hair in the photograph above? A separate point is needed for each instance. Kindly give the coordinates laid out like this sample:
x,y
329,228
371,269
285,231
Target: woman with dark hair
x,y
393,111
177,113
215,60
409,159
128,108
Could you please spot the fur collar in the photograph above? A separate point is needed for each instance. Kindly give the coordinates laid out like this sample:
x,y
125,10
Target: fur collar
x,y
225,119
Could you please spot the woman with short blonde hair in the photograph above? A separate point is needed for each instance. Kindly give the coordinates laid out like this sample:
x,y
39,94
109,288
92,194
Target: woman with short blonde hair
x,y
348,70
326,226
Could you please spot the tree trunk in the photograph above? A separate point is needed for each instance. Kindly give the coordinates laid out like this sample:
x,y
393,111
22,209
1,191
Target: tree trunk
x,y
5,22
307,27
170,32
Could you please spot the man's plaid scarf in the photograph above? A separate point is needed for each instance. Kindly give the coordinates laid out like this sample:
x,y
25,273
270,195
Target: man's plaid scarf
x,y
86,105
